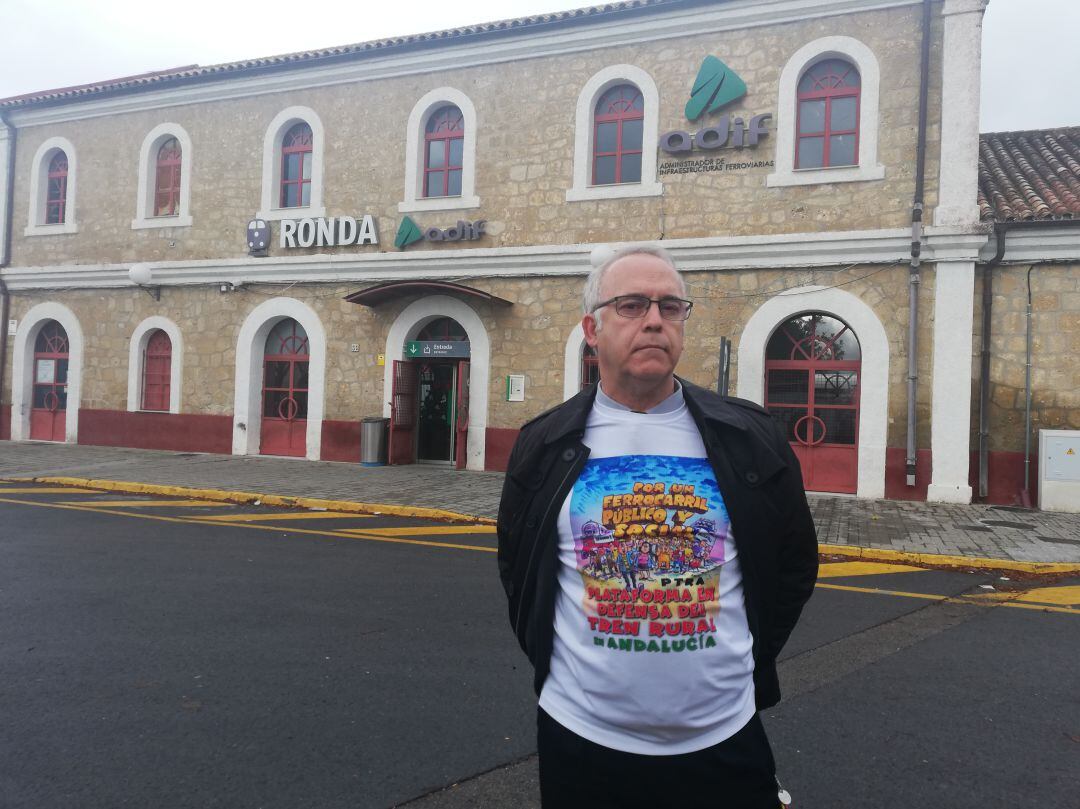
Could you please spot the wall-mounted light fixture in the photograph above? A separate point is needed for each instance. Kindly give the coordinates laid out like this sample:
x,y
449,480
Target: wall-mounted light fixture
x,y
141,275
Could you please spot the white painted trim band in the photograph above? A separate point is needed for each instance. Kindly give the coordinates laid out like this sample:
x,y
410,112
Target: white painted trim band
x,y
798,250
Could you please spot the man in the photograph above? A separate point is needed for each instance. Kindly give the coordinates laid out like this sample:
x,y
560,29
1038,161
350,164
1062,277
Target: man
x,y
649,689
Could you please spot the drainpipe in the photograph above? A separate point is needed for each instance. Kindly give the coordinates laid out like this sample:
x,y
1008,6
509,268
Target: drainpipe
x,y
1025,495
5,257
1000,229
916,247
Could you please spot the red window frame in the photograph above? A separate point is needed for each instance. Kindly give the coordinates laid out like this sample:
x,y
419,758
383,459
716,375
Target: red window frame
x,y
157,372
618,105
51,345
56,193
167,179
445,126
297,141
828,80
291,348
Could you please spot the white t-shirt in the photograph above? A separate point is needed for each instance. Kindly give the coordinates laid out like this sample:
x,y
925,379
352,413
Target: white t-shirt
x,y
652,649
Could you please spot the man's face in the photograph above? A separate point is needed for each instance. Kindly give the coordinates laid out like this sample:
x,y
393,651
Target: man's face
x,y
636,350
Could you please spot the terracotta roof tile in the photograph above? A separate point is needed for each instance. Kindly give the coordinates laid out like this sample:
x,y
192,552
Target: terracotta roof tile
x,y
1027,176
359,50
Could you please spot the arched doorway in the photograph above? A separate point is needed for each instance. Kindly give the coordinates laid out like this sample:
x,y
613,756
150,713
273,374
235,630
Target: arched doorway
x,y
429,418
48,411
812,368
285,390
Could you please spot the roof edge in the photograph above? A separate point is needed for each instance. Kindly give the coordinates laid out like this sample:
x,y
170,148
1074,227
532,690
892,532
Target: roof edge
x,y
195,74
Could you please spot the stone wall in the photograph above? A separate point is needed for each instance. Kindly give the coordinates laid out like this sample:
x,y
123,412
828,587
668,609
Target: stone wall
x,y
525,140
526,338
1055,372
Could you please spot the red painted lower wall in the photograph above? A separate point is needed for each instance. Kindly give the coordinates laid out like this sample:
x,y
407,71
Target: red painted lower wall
x,y
499,442
179,432
5,422
341,441
1005,478
896,487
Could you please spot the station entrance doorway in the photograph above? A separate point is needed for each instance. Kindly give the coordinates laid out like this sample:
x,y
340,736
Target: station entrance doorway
x,y
429,415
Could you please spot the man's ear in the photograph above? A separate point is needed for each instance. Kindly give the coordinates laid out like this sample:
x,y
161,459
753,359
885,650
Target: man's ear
x,y
588,325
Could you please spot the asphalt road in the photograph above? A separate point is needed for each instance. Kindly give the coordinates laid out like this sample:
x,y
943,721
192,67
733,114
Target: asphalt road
x,y
157,654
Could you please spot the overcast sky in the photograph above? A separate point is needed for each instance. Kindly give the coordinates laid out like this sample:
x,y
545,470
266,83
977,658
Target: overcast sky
x,y
1030,58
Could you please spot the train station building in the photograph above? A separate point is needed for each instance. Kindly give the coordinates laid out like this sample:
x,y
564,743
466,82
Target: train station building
x,y
253,257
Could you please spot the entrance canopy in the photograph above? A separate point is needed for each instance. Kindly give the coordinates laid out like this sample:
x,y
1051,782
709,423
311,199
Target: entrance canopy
x,y
381,293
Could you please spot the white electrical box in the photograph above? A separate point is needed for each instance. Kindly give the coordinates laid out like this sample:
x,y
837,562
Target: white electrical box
x,y
1059,470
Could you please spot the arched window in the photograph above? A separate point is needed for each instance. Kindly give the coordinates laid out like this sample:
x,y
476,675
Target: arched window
x,y
157,372
617,136
167,179
56,191
442,328
443,153
296,162
828,116
590,366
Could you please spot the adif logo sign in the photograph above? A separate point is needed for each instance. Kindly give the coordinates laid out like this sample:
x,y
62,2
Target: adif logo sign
x,y
716,86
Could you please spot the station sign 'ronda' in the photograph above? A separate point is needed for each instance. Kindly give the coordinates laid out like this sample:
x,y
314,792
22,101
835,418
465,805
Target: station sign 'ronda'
x,y
716,86
318,231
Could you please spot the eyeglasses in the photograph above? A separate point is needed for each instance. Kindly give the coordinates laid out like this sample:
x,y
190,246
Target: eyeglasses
x,y
639,305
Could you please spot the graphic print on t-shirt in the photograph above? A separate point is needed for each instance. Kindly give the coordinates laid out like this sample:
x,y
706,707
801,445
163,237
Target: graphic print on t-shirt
x,y
650,537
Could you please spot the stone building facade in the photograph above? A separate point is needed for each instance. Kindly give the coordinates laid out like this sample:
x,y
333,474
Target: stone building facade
x,y
763,240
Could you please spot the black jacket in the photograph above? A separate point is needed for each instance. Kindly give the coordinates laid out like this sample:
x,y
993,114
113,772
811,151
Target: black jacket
x,y
759,479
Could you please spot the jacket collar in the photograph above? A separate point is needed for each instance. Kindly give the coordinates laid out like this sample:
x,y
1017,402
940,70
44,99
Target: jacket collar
x,y
704,405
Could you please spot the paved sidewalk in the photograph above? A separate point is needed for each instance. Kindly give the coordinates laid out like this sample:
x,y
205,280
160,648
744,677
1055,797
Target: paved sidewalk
x,y
975,531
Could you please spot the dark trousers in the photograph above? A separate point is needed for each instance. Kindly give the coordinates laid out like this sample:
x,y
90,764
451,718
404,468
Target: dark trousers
x,y
737,773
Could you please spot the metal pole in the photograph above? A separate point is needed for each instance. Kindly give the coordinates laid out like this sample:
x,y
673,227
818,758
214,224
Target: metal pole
x,y
1025,495
723,373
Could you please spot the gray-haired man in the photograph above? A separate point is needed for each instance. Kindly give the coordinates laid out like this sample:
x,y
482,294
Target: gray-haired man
x,y
649,692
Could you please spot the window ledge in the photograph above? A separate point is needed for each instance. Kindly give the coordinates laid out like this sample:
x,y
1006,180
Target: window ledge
x,y
51,230
621,191
161,222
439,204
277,214
845,174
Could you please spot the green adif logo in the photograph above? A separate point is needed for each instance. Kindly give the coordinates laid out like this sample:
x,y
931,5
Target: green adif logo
x,y
716,85
409,232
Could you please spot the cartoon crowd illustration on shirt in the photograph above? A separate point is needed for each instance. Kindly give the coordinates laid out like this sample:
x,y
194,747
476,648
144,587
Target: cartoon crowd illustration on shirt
x,y
651,537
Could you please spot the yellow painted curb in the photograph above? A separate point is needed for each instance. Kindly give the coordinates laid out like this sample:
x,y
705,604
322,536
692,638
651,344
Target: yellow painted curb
x,y
942,560
384,509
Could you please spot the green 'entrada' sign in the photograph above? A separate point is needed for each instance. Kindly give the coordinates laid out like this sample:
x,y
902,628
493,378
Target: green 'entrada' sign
x,y
716,85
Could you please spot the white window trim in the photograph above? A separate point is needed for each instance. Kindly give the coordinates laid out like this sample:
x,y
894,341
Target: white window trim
x,y
408,324
873,386
271,179
22,369
144,203
136,361
250,350
414,154
863,58
575,344
39,186
583,136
